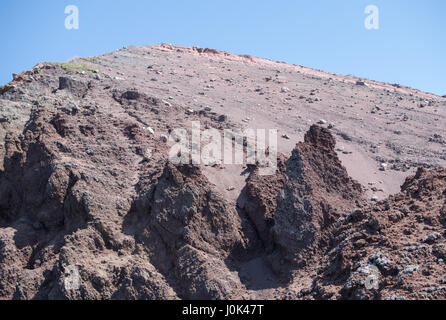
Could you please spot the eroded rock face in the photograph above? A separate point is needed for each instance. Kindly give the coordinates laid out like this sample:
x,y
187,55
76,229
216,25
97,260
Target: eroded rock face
x,y
188,230
401,238
261,205
318,191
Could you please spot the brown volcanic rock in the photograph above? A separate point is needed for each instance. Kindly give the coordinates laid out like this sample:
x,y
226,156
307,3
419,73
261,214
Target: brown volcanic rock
x,y
85,184
188,230
261,204
295,210
399,241
317,192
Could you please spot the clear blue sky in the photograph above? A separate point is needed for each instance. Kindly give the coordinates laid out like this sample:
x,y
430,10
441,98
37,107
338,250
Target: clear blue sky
x,y
409,48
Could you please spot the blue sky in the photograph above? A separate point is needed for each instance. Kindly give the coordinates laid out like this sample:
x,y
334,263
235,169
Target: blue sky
x,y
408,48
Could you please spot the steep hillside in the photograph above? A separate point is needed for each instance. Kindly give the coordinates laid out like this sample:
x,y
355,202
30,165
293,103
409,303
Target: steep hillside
x,y
92,207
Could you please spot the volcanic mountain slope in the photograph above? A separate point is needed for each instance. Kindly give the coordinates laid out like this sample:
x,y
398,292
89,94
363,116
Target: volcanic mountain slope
x,y
86,185
399,243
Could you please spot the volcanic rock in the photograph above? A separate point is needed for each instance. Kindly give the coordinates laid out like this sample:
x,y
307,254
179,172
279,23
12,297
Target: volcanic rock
x,y
92,207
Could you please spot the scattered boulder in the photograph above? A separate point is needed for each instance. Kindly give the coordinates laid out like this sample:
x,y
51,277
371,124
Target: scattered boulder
x,y
76,87
431,238
163,138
